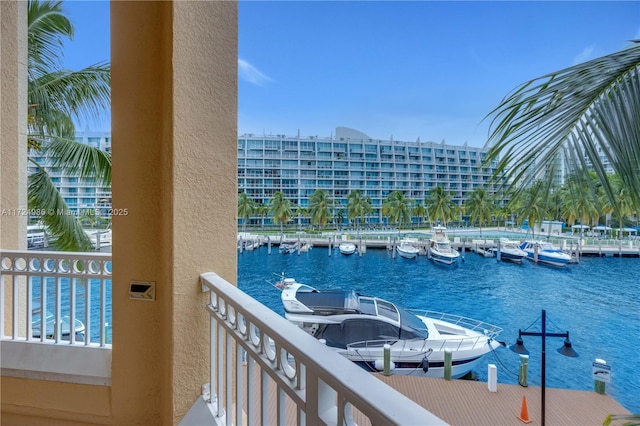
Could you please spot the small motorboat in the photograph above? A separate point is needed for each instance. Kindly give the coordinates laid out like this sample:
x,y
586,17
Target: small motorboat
x,y
407,250
286,248
509,250
347,248
544,252
358,327
50,329
440,249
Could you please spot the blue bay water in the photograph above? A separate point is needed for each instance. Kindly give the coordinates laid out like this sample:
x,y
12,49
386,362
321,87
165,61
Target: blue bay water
x,y
597,301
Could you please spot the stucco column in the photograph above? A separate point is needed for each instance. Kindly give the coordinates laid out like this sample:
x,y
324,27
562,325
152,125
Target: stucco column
x,y
13,137
174,115
13,124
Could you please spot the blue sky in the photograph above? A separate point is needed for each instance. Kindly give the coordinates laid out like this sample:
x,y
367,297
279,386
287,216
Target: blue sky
x,y
405,70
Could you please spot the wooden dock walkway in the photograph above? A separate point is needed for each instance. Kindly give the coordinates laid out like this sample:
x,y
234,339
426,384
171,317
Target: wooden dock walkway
x,y
470,403
622,249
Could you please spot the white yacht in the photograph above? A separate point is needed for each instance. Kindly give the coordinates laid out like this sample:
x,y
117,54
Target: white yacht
x,y
358,327
440,249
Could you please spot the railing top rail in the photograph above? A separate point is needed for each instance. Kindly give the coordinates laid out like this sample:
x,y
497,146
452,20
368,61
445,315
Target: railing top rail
x,y
55,254
363,390
67,264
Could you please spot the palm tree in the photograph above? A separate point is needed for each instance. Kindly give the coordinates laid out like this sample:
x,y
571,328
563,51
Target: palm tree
x,y
339,217
300,212
56,97
440,205
246,208
576,114
419,211
578,202
398,208
280,209
261,210
480,206
358,206
532,204
320,208
620,205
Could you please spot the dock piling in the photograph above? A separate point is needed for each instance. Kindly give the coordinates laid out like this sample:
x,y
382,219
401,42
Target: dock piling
x,y
524,371
448,362
387,359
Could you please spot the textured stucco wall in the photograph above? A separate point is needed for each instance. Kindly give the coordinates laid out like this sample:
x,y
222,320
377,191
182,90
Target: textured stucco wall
x,y
174,120
174,115
13,124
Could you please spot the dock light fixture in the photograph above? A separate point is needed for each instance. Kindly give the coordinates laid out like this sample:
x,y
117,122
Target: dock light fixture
x,y
565,350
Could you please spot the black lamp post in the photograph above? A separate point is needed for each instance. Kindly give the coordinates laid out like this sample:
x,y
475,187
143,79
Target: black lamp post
x,y
565,350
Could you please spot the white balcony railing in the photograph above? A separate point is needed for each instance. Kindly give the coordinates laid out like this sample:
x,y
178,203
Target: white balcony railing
x,y
59,307
257,355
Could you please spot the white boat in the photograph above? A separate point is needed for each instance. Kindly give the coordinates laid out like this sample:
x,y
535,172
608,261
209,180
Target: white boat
x,y
36,237
50,329
546,253
358,327
347,248
306,247
100,238
407,250
510,251
286,248
440,249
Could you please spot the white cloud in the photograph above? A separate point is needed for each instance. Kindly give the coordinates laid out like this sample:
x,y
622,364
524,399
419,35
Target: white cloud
x,y
253,75
584,56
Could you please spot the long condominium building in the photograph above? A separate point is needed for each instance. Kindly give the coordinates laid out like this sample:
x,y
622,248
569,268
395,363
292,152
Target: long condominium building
x,y
298,166
351,160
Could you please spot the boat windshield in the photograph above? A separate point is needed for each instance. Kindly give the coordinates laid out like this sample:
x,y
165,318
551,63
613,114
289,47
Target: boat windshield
x,y
328,302
411,327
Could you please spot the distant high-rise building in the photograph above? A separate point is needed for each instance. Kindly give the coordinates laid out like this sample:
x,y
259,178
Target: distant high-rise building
x,y
79,194
351,160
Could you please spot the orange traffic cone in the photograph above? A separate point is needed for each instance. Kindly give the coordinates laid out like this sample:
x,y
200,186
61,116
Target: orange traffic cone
x,y
524,412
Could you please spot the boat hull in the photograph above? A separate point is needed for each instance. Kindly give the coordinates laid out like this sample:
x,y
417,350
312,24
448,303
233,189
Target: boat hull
x,y
548,260
407,254
446,259
347,249
463,361
511,257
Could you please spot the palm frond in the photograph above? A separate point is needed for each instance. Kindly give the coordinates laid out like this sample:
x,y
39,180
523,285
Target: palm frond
x,y
594,105
85,160
84,94
67,232
47,26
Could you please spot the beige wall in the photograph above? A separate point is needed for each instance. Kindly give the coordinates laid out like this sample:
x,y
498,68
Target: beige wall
x,y
174,153
13,124
174,115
